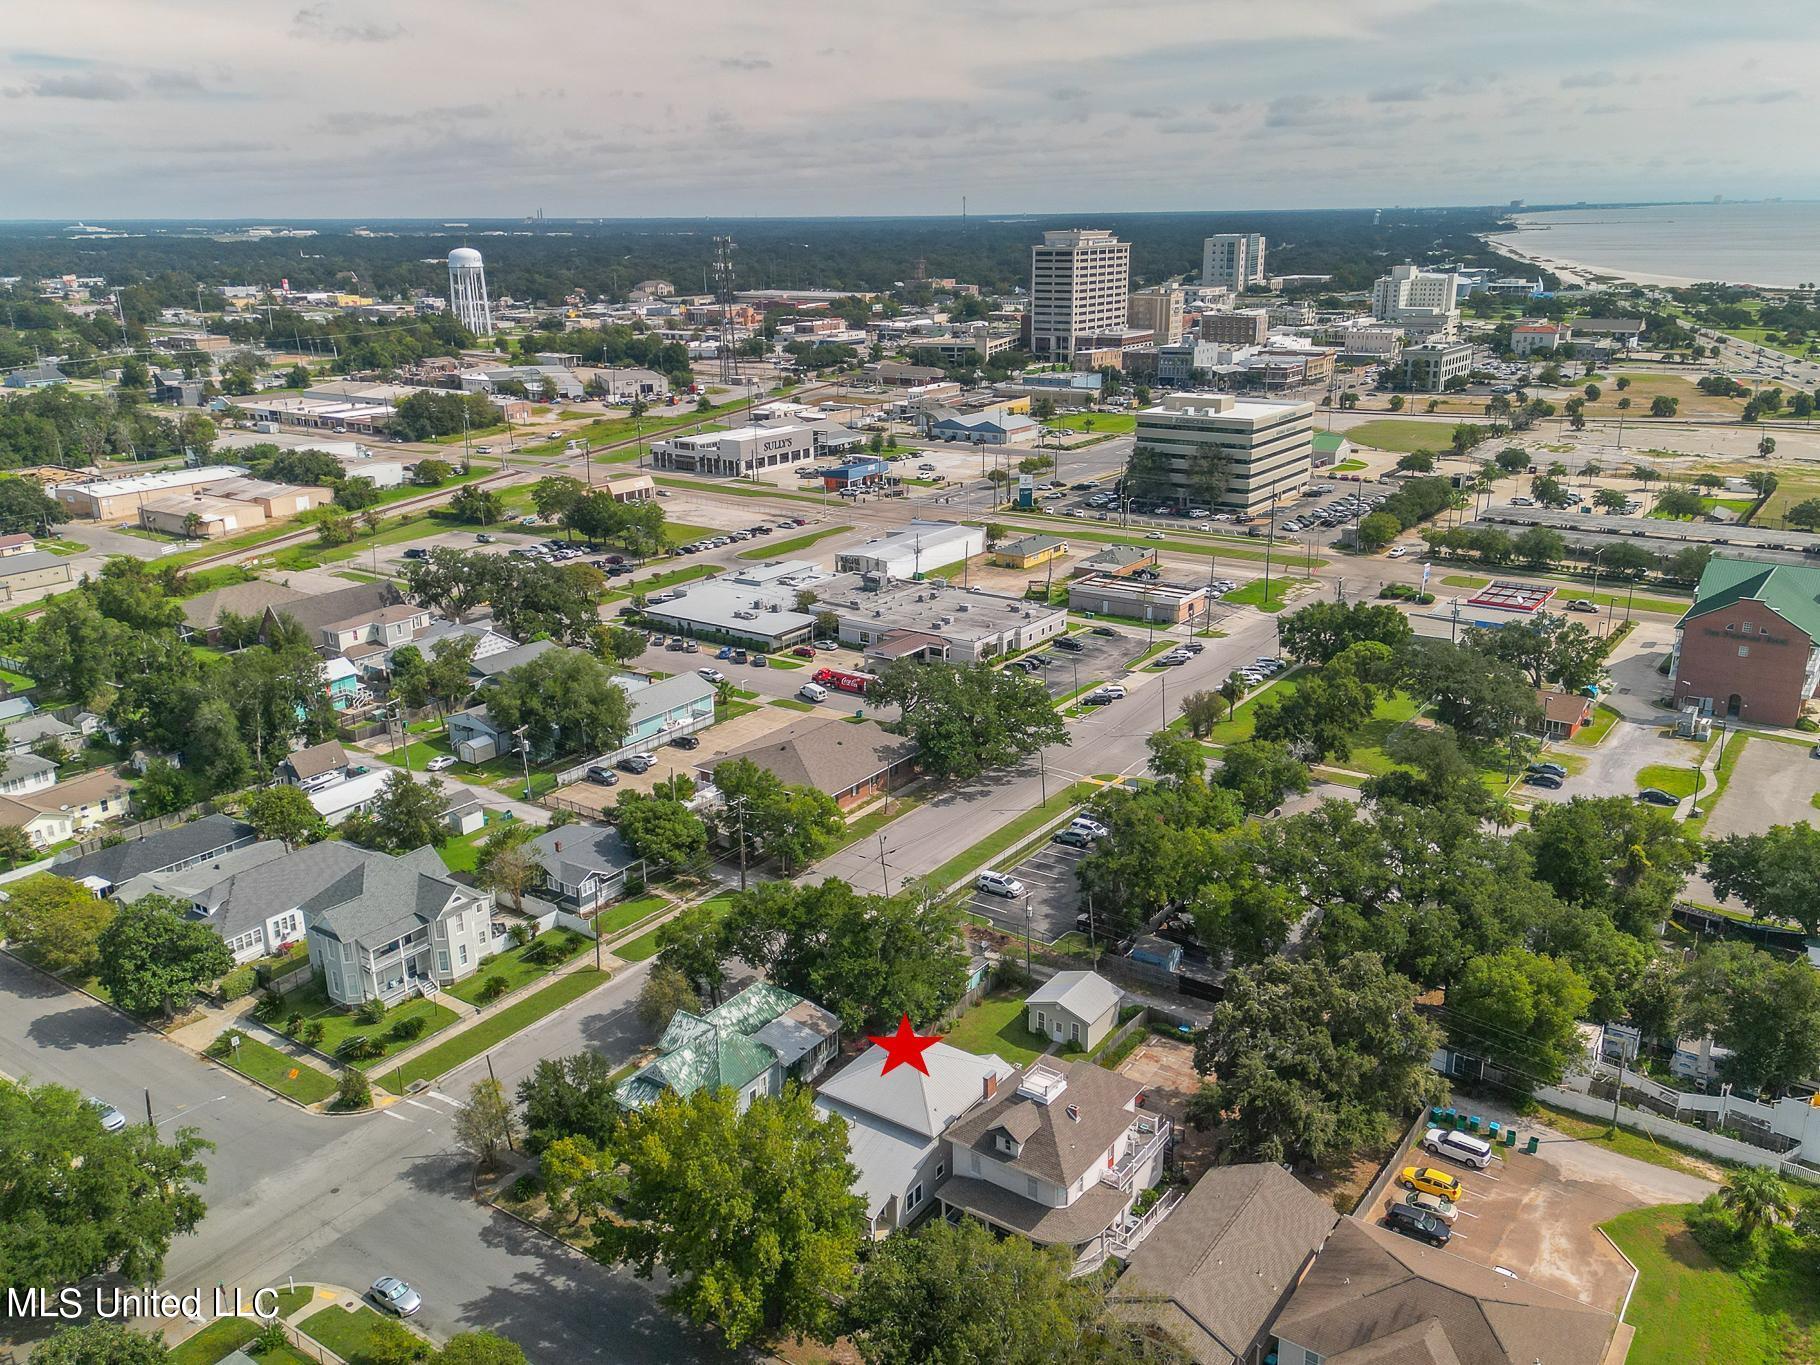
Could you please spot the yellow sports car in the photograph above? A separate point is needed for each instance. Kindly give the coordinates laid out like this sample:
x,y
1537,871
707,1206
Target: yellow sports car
x,y
1430,1181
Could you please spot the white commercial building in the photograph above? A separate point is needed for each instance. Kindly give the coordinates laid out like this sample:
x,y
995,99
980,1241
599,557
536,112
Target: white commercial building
x,y
1233,259
1220,451
746,450
1080,286
1423,302
920,548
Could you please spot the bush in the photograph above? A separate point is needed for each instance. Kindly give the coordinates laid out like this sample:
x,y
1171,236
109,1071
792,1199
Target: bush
x,y
355,1092
372,1012
360,1047
311,1033
493,987
239,983
526,1187
406,1029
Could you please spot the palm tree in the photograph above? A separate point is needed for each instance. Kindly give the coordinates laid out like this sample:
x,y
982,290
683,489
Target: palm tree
x,y
1757,1198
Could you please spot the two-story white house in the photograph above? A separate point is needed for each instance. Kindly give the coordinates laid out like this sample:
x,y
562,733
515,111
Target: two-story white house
x,y
1058,1155
895,1124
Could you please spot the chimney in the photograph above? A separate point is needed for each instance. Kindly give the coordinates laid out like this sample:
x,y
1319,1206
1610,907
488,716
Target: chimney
x,y
989,1087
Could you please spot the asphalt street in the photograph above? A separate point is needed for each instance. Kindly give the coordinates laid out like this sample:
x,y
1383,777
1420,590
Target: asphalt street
x,y
344,1200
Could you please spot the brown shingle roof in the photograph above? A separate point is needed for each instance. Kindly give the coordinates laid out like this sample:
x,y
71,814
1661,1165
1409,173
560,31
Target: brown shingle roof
x,y
1058,1146
829,755
1216,1271
1373,1289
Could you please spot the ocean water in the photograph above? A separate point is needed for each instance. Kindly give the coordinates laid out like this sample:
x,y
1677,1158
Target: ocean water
x,y
1770,244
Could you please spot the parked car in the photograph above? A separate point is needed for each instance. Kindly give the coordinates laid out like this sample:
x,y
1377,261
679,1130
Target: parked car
x,y
685,742
1430,1181
395,1296
1457,1146
1417,1223
1655,796
440,763
1000,884
604,775
112,1120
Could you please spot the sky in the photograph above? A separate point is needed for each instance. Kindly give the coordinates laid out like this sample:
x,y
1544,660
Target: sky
x,y
634,108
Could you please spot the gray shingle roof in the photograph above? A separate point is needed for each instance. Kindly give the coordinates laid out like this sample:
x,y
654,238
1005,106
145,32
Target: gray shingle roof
x,y
1216,1271
157,852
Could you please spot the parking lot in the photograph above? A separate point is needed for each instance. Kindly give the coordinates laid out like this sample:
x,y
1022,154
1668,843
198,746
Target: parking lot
x,y
1537,1217
1051,896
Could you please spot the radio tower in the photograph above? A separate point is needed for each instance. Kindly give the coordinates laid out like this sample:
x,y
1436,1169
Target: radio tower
x,y
723,293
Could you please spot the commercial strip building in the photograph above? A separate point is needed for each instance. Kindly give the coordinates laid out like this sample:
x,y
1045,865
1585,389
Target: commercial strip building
x,y
1749,647
744,451
1233,259
1141,599
1080,287
1221,451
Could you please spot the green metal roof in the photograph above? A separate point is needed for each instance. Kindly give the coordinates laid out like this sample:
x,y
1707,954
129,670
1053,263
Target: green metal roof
x,y
1792,591
707,1051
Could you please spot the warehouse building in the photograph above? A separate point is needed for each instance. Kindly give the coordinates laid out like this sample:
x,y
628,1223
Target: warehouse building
x,y
921,547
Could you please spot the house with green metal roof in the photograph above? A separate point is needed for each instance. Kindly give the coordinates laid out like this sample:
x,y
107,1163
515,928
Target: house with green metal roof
x,y
752,1044
1749,647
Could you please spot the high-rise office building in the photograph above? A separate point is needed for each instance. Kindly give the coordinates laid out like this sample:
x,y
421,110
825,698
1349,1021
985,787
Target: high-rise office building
x,y
1080,286
1159,310
1234,259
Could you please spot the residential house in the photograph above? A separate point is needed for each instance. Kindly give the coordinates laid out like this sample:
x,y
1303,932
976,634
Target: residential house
x,y
1059,1155
318,766
1564,714
752,1044
168,850
1076,1009
1217,1269
895,1124
20,736
25,774
584,865
1373,1295
390,927
850,762
202,614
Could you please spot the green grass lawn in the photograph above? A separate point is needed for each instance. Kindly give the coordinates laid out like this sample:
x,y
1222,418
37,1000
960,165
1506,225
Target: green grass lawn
x,y
783,549
515,970
1402,435
343,1332
1687,1306
616,918
495,1028
645,945
996,1024
286,1075
339,1026
1252,594
1670,777
1012,833
1604,718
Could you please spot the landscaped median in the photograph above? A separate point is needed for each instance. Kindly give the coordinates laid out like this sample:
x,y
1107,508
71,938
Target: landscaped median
x,y
492,1029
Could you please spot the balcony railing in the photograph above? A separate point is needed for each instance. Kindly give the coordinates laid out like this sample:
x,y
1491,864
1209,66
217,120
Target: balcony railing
x,y
1138,1152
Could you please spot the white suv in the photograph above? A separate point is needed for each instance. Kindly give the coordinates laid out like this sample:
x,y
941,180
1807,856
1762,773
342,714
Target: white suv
x,y
1456,1146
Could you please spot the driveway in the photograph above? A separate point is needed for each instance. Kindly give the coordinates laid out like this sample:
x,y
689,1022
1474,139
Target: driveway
x,y
1773,784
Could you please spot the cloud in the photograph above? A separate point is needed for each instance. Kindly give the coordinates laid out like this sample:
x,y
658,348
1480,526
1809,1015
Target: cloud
x,y
316,21
99,85
745,63
1399,94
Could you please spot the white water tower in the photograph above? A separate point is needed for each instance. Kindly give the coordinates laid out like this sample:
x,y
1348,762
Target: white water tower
x,y
468,291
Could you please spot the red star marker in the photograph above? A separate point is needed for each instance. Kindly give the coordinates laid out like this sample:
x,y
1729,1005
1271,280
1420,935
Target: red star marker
x,y
905,1047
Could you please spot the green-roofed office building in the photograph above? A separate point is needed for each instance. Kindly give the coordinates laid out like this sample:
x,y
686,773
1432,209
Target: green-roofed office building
x,y
1749,647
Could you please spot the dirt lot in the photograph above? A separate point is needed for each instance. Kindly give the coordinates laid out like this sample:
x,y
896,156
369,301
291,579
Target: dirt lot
x,y
1537,1216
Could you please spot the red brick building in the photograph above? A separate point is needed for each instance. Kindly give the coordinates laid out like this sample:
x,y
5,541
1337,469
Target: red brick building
x,y
1747,648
